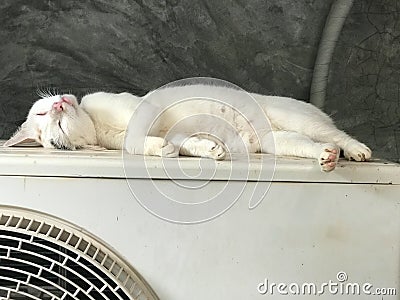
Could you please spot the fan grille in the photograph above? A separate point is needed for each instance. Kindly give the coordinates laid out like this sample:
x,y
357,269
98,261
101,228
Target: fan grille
x,y
42,257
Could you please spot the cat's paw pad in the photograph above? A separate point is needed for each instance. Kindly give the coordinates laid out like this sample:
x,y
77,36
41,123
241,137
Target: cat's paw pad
x,y
357,151
329,157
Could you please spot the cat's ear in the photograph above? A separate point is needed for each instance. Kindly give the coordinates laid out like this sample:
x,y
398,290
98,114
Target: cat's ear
x,y
23,135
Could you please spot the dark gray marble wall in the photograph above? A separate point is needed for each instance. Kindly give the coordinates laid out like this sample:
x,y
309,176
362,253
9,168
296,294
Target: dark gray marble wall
x,y
89,45
364,85
263,46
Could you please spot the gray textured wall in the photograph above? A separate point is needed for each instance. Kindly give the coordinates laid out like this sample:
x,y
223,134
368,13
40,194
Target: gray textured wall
x,y
364,85
262,46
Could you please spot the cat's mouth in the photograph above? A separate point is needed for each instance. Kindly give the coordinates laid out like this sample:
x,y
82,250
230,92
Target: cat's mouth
x,y
59,126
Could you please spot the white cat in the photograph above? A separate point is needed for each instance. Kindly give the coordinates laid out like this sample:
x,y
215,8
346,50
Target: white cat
x,y
192,120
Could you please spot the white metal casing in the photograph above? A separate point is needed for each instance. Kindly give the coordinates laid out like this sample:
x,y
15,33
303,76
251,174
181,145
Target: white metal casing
x,y
310,226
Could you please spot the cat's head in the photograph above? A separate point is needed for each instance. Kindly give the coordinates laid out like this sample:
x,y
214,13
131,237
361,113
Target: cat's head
x,y
56,122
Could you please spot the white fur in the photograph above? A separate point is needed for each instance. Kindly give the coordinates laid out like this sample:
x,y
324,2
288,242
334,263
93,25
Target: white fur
x,y
193,120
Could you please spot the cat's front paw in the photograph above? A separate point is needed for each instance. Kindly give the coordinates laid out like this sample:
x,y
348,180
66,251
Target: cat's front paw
x,y
213,150
357,151
329,157
154,146
159,147
203,147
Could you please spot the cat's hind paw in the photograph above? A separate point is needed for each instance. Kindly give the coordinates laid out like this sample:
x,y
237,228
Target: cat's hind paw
x,y
357,151
329,157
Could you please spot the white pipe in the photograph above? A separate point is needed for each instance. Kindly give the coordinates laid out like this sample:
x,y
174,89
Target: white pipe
x,y
333,26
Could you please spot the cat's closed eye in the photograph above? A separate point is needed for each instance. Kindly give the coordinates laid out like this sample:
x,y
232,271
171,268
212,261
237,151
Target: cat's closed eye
x,y
42,114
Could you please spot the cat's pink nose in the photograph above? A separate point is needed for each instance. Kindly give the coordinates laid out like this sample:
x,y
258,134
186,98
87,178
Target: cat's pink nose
x,y
58,106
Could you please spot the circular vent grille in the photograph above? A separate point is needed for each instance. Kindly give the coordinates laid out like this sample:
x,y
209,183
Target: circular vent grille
x,y
42,258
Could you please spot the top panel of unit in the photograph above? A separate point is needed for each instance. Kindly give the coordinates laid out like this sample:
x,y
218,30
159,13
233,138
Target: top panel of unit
x,y
35,161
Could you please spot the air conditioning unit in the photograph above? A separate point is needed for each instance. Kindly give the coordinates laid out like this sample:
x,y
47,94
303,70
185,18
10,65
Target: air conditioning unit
x,y
104,225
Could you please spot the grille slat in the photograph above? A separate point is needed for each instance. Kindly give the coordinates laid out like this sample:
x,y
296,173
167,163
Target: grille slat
x,y
13,295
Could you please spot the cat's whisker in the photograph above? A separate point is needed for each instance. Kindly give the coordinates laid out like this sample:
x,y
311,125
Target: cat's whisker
x,y
43,92
39,92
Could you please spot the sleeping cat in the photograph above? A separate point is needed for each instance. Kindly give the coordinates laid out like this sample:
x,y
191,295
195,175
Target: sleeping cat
x,y
192,120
